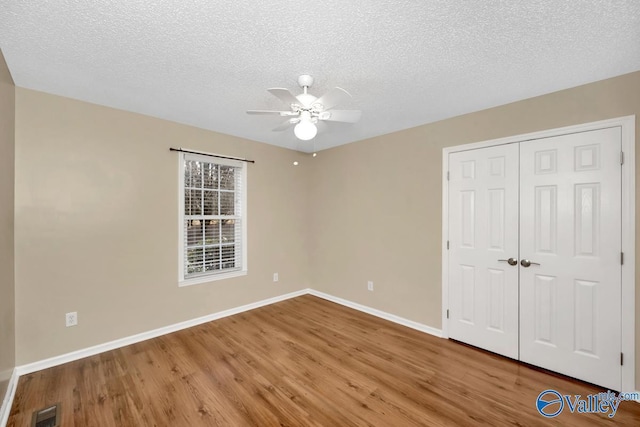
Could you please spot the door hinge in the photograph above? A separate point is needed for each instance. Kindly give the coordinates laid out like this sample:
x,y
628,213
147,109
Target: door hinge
x,y
621,258
621,359
447,245
447,175
622,157
447,313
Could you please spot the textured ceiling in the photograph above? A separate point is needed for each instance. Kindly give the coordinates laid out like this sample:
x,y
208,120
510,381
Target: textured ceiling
x,y
406,63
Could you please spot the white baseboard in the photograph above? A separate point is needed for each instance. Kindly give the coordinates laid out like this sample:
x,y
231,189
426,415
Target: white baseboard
x,y
5,409
90,351
112,345
379,313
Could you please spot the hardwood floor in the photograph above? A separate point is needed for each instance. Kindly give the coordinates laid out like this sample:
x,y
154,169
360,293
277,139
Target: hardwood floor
x,y
301,362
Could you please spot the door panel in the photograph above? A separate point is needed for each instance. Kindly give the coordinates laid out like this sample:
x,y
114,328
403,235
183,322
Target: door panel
x,y
483,206
545,306
570,223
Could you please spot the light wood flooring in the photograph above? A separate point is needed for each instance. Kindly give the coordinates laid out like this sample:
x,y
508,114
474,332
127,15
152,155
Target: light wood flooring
x,y
301,362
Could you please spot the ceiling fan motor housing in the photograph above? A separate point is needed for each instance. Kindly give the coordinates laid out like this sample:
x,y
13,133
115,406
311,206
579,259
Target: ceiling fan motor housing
x,y
306,99
305,80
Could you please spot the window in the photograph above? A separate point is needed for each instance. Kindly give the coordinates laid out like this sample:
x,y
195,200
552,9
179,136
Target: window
x,y
212,219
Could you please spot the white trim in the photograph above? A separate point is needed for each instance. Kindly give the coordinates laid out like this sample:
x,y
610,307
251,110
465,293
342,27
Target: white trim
x,y
379,313
212,277
180,218
112,345
7,402
628,309
547,133
445,239
627,125
245,220
90,351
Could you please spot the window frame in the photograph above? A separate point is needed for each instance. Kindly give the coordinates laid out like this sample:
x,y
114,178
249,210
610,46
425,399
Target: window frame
x,y
242,197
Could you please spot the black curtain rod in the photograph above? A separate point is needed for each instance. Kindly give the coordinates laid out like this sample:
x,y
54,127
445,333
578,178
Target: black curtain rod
x,y
211,155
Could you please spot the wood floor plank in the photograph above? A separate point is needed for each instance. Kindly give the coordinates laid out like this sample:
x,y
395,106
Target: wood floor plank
x,y
300,362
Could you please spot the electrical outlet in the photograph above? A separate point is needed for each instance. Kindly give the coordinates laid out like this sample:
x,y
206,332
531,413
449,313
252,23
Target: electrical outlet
x,y
370,285
275,277
71,318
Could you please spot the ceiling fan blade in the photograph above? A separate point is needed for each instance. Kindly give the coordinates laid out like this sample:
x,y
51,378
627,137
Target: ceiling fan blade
x,y
269,112
285,125
332,98
346,116
284,95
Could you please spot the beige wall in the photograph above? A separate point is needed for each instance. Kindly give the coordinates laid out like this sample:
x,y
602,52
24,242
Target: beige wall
x,y
96,214
7,308
97,217
377,206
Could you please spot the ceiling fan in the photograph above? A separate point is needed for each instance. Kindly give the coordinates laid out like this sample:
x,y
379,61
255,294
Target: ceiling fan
x,y
307,110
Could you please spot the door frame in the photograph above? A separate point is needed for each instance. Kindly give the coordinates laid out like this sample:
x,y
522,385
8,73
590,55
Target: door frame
x,y
627,126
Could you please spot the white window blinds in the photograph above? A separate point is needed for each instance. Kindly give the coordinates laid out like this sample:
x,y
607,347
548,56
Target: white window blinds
x,y
212,216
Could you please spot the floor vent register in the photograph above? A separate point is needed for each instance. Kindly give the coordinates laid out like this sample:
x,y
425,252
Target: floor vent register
x,y
47,417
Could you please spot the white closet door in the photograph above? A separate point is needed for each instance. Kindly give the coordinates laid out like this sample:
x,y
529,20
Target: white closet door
x,y
570,225
483,229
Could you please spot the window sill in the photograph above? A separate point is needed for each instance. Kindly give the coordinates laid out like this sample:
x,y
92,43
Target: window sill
x,y
211,278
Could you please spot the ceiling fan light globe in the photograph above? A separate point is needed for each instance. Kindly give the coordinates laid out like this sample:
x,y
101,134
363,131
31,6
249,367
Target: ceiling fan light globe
x,y
305,130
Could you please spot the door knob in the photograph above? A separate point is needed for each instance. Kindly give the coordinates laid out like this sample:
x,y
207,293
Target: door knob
x,y
511,261
527,263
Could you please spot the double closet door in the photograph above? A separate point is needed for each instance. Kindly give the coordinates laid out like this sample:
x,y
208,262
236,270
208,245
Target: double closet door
x,y
534,258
